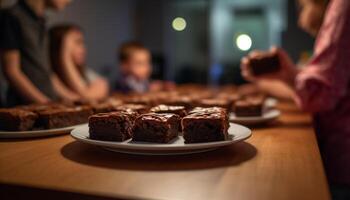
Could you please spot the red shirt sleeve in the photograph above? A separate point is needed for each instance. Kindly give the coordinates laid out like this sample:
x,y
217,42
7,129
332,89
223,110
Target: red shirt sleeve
x,y
325,79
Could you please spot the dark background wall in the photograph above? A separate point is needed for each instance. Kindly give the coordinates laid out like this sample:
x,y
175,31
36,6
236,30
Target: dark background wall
x,y
294,40
177,55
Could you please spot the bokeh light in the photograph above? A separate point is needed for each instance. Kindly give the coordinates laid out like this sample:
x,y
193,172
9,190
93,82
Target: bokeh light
x,y
244,42
179,24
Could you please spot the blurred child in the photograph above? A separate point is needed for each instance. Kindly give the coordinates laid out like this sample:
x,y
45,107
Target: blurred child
x,y
323,86
135,70
24,53
68,60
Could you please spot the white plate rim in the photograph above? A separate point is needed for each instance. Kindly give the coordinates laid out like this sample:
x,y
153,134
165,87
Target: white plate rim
x,y
160,147
268,115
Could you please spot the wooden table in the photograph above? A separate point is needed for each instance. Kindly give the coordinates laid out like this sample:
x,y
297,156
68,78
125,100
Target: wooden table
x,y
280,161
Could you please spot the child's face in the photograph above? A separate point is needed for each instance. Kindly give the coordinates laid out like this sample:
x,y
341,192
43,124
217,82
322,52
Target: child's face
x,y
77,47
57,4
311,16
139,64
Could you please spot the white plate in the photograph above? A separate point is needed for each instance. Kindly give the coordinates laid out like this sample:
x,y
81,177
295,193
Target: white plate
x,y
268,115
37,133
236,132
270,102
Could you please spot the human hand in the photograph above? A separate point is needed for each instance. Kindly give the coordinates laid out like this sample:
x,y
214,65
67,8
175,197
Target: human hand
x,y
287,70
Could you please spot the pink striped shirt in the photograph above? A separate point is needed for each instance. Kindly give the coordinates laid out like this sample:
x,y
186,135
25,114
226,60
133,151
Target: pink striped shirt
x,y
323,88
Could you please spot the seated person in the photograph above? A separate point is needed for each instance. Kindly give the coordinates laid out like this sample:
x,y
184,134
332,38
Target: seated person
x,y
135,70
23,52
68,56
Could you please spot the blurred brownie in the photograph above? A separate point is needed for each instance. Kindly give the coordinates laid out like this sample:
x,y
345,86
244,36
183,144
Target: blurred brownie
x,y
14,119
205,125
185,101
248,107
179,110
222,103
103,107
63,117
113,126
144,100
42,107
206,110
266,63
156,127
139,108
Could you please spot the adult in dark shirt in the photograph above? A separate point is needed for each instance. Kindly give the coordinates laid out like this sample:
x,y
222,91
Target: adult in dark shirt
x,y
24,54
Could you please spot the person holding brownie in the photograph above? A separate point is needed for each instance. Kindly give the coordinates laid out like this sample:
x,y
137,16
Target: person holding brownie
x,y
322,88
24,54
135,70
68,56
311,14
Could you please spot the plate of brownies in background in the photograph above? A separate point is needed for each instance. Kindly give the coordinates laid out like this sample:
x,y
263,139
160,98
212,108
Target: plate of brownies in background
x,y
41,119
253,110
164,130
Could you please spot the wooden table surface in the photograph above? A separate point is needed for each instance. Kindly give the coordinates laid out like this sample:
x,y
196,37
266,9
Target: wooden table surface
x,y
280,161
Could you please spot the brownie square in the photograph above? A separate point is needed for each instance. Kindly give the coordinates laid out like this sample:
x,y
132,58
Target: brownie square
x,y
102,107
205,125
156,127
63,117
222,103
113,126
266,63
248,107
185,101
144,100
14,119
207,110
179,110
42,107
139,108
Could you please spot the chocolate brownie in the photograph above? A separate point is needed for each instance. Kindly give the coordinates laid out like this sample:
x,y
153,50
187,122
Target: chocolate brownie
x,y
14,119
102,107
42,107
113,126
265,63
248,107
206,110
156,127
185,101
205,125
179,110
144,100
139,108
222,103
63,117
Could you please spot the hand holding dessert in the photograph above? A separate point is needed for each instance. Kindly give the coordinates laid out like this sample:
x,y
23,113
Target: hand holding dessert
x,y
272,64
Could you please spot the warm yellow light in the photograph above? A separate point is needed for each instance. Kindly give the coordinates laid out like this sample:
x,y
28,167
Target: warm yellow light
x,y
244,42
179,24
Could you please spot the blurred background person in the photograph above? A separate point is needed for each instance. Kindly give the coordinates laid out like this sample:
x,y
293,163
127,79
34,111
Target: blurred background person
x,y
24,54
322,88
311,14
136,69
68,59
